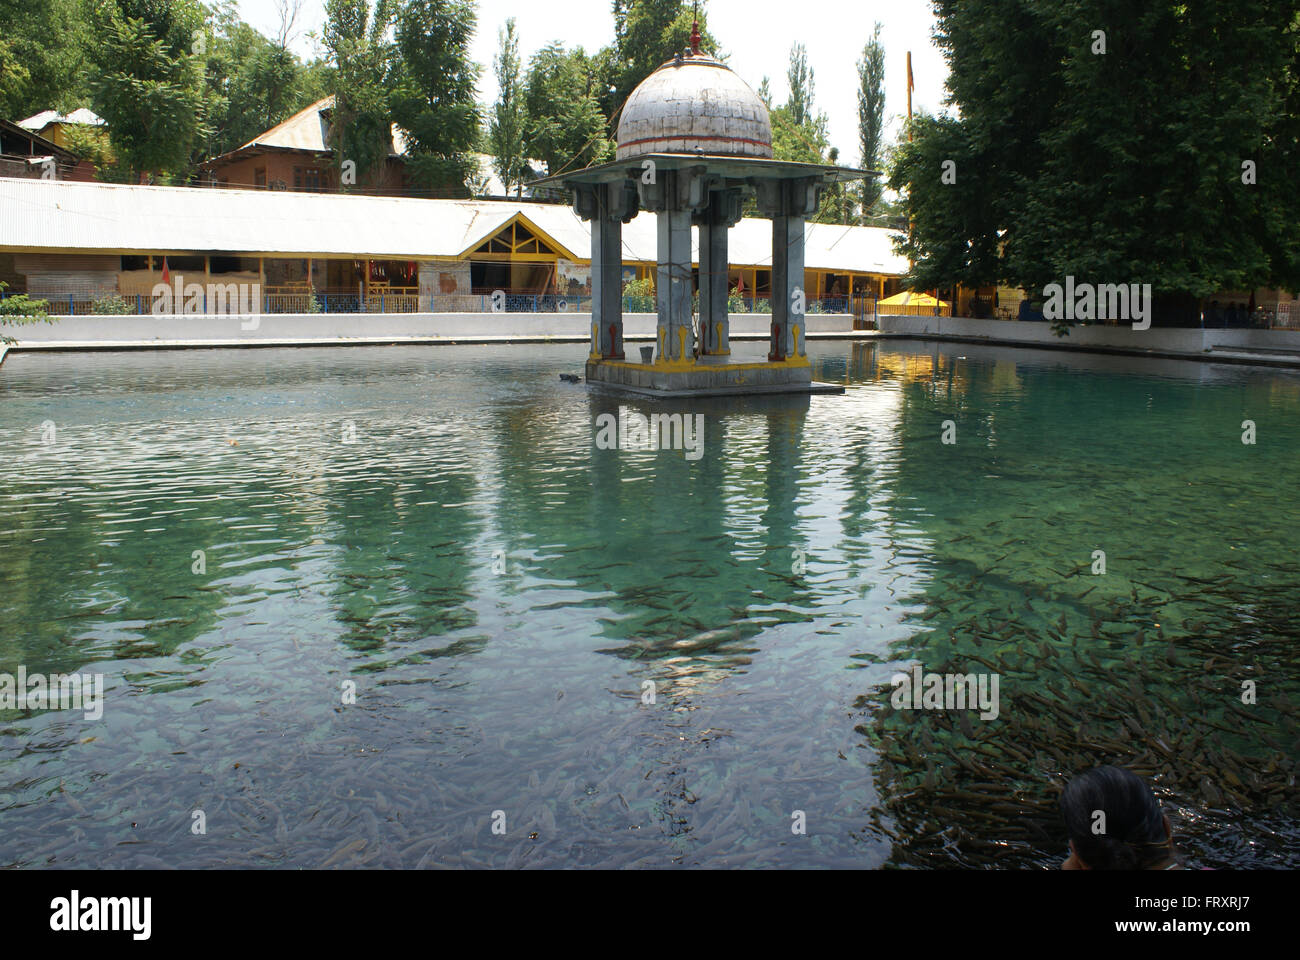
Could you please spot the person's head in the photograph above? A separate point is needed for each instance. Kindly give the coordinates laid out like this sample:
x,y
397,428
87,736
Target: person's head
x,y
1114,822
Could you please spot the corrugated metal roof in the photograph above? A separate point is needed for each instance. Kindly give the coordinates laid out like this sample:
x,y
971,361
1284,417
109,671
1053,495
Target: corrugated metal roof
x,y
66,215
308,129
305,130
43,119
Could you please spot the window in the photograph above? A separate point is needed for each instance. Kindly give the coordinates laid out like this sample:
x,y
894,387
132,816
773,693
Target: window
x,y
182,263
306,178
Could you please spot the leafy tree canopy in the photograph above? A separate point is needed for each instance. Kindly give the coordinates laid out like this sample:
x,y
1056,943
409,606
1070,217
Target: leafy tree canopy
x,y
433,96
1111,146
565,127
147,81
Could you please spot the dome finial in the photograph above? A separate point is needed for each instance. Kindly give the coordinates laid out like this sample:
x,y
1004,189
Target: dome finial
x,y
695,31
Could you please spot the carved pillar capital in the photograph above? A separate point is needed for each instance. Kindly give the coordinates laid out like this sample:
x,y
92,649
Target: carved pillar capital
x,y
789,198
684,189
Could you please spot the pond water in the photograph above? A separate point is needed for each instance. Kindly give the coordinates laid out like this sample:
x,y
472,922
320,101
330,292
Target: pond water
x,y
434,623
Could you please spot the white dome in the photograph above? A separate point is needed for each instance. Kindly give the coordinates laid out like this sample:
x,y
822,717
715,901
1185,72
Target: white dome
x,y
694,104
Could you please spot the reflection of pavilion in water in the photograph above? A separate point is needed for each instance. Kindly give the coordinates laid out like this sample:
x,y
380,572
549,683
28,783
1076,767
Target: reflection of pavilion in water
x,y
692,616
702,615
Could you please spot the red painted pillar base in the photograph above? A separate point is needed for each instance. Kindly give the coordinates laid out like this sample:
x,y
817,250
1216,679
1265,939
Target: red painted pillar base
x,y
775,353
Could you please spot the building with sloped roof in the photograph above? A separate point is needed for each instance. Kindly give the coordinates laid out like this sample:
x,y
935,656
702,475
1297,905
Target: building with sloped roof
x,y
81,241
24,153
54,126
296,155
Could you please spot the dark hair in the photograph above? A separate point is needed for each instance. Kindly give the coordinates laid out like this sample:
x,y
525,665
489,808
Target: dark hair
x,y
1135,837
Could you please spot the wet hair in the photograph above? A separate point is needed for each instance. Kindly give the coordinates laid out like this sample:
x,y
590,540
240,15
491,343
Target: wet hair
x,y
1135,837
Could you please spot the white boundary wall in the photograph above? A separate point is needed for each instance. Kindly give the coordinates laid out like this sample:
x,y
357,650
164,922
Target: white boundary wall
x,y
197,330
1158,339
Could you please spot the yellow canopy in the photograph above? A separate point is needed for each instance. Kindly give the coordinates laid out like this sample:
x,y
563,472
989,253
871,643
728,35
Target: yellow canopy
x,y
909,298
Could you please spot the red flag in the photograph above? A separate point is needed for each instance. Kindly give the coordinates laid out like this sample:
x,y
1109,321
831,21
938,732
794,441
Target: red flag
x,y
167,277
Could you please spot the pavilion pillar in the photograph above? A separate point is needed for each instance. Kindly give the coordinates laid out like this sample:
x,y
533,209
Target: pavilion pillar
x,y
788,203
673,293
608,206
788,296
721,214
675,196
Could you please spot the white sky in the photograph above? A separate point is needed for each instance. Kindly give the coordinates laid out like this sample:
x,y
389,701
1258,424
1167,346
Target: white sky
x,y
755,34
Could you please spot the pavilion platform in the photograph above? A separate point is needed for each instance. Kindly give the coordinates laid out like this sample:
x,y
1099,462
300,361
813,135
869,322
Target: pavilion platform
x,y
710,376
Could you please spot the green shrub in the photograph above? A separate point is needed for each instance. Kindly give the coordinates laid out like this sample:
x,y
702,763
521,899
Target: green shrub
x,y
19,309
111,305
639,295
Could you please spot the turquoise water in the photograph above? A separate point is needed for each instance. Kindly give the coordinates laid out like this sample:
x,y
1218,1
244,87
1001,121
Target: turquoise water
x,y
438,527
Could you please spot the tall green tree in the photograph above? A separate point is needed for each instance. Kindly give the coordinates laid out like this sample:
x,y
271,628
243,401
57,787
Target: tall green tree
x,y
434,100
566,127
1116,147
646,34
147,81
871,116
506,128
800,133
252,82
360,56
799,75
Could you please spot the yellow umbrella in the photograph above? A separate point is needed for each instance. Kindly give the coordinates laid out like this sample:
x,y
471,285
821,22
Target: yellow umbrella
x,y
909,298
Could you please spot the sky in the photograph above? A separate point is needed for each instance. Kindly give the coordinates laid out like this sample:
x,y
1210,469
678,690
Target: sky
x,y
755,35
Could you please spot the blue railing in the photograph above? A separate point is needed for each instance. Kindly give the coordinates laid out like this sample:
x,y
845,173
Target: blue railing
x,y
501,302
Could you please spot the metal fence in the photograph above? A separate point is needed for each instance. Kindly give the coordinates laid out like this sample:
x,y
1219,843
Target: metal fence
x,y
497,302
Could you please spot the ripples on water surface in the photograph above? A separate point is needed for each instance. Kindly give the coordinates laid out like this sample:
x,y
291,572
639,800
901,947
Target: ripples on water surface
x,y
500,591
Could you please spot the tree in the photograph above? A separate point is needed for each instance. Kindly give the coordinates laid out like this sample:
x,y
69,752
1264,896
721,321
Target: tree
x,y
434,100
871,116
92,143
147,81
1116,156
800,77
800,135
506,129
838,204
951,242
252,82
565,126
360,58
42,57
18,309
646,34
797,142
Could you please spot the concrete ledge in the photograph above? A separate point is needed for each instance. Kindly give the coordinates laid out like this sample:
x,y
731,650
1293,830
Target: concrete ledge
x,y
1265,347
320,329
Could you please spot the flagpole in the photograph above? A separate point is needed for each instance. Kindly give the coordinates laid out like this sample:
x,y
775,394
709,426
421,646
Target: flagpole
x,y
909,94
